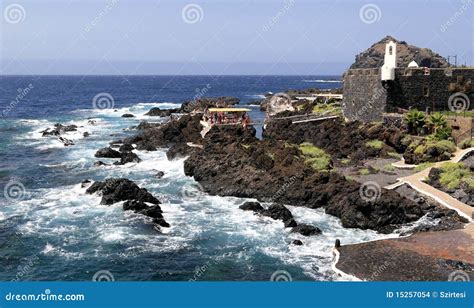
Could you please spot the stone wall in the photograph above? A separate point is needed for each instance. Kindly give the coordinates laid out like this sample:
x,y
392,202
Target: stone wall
x,y
417,88
366,99
364,96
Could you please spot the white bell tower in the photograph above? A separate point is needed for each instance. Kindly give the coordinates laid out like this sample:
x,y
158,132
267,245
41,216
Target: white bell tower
x,y
390,61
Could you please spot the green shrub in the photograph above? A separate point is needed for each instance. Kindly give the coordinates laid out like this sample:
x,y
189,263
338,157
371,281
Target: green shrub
x,y
375,144
453,174
317,158
364,171
394,155
466,143
441,146
389,167
423,166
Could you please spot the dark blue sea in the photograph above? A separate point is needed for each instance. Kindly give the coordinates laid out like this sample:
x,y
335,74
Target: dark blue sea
x,y
51,230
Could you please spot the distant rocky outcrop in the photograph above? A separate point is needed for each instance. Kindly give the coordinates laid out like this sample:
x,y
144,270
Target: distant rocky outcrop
x,y
374,56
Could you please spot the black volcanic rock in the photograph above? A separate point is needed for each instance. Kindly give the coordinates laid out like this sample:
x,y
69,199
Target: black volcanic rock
x,y
306,230
157,112
252,206
278,212
119,189
199,105
108,153
58,130
227,166
374,56
128,157
126,148
127,115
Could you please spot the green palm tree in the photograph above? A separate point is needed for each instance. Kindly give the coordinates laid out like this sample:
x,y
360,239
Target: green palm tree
x,y
436,121
415,119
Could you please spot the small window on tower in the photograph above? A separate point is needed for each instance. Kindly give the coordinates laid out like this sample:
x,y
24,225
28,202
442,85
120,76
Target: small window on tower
x,y
426,91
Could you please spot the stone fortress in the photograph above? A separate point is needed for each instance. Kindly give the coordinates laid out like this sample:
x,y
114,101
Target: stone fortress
x,y
372,90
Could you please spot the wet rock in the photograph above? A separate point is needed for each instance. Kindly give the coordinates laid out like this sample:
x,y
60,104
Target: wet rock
x,y
306,230
100,163
66,142
146,125
134,205
128,157
85,183
290,223
119,189
86,134
278,212
157,112
108,153
145,146
159,174
126,148
252,206
58,130
297,242
128,115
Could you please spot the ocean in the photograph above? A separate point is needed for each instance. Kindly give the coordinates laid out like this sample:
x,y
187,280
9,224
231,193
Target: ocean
x,y
51,230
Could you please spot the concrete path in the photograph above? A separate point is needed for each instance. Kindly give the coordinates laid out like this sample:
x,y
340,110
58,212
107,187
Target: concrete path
x,y
416,182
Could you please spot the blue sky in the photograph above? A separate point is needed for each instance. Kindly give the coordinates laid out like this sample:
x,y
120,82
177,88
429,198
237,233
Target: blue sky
x,y
289,37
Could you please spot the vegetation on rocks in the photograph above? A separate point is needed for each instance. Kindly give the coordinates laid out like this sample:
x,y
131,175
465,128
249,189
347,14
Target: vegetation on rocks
x,y
453,174
315,157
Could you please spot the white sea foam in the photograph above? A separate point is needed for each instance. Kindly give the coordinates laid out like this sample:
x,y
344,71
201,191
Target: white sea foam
x,y
256,96
322,81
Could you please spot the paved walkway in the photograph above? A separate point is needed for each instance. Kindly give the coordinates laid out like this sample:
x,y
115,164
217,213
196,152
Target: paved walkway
x,y
416,182
424,256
